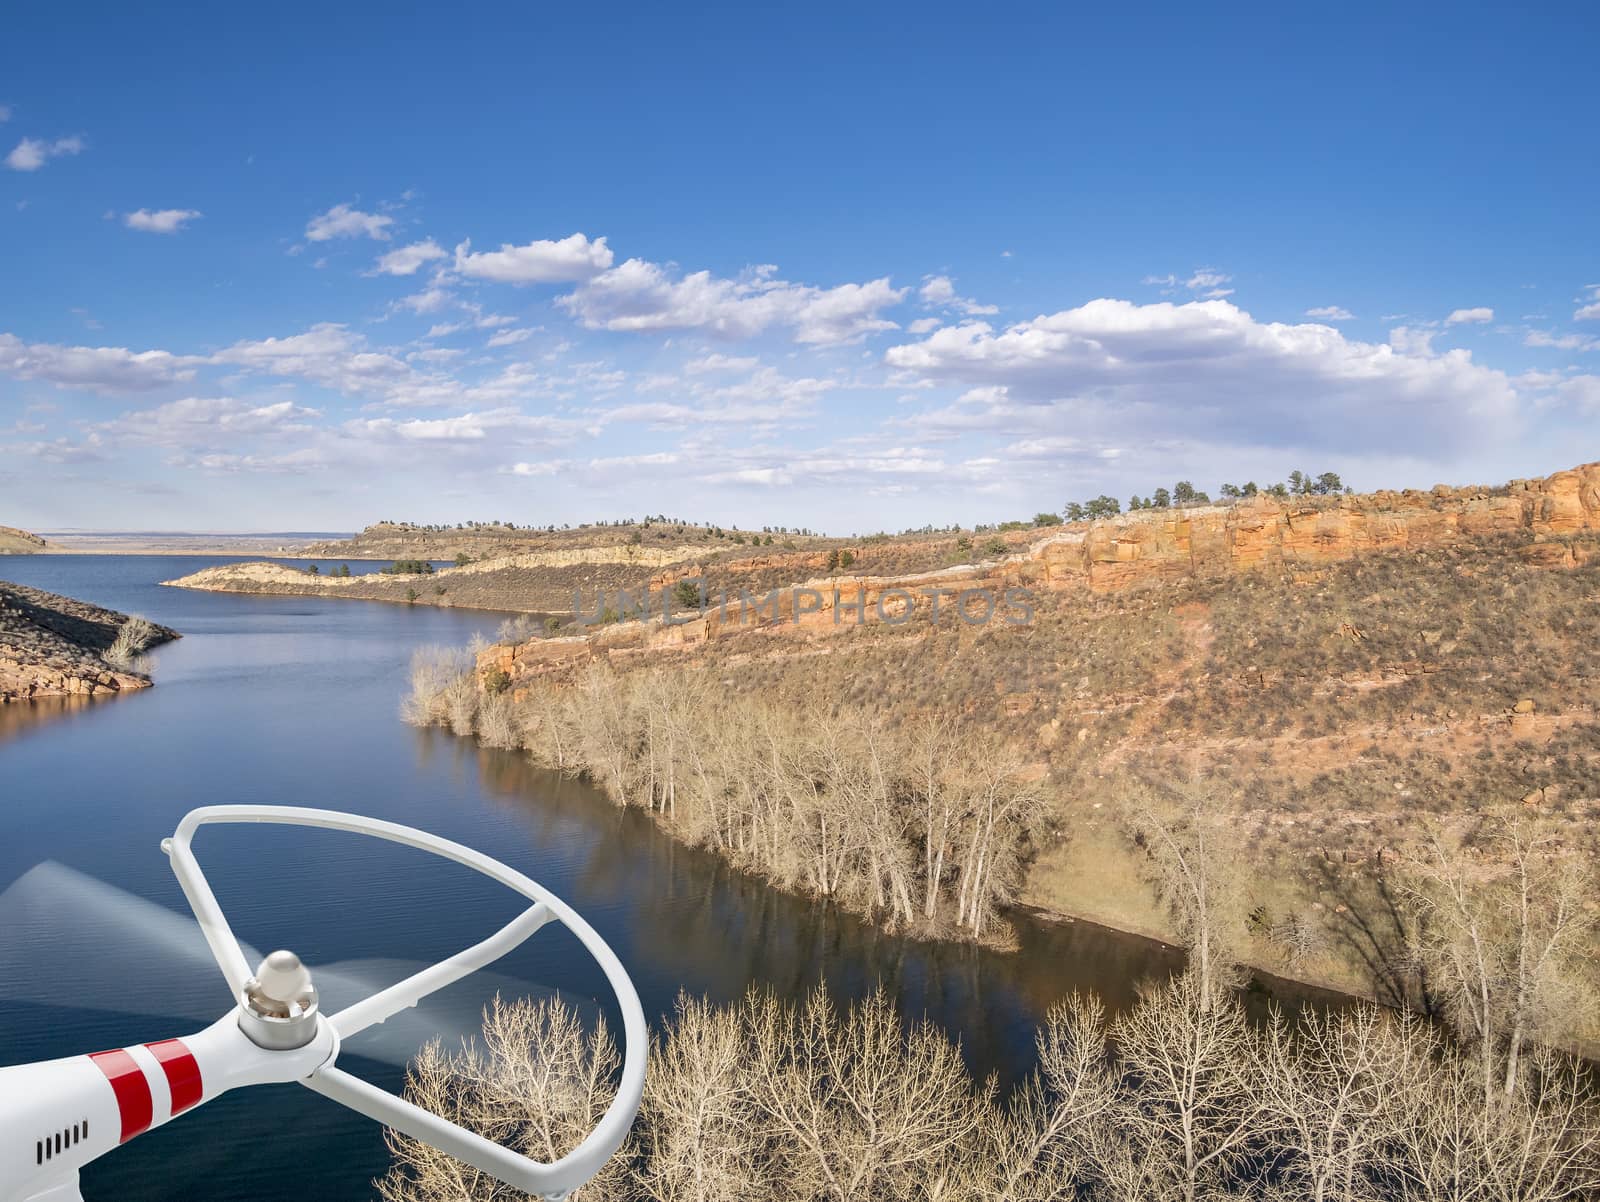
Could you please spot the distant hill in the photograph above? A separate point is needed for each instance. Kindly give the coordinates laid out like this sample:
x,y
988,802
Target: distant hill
x,y
479,541
19,542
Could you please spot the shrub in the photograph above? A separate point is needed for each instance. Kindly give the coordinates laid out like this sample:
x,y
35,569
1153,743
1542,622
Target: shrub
x,y
409,567
433,670
133,637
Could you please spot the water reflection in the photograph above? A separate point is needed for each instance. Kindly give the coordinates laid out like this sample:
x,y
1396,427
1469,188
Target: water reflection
x,y
19,717
692,921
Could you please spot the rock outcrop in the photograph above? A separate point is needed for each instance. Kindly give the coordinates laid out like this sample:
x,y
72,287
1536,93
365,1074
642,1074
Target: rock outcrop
x,y
1263,533
1267,532
53,646
19,542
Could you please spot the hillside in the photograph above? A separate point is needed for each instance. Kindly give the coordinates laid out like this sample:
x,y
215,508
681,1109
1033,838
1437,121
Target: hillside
x,y
19,542
1333,678
53,646
539,572
479,541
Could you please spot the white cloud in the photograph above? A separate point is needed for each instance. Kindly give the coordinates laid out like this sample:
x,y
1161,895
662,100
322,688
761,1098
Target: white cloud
x,y
568,260
1581,391
327,354
939,291
1331,313
296,462
778,469
160,221
503,425
1207,370
710,363
640,295
98,368
1477,316
1591,310
1208,281
407,259
924,325
1410,340
195,422
429,300
62,450
344,221
32,153
1205,281
1563,342
508,338
766,396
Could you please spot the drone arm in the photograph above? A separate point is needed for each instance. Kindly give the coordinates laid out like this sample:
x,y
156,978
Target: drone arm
x,y
389,1002
58,1115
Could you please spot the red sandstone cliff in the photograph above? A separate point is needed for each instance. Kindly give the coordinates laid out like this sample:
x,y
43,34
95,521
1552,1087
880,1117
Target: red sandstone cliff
x,y
1119,553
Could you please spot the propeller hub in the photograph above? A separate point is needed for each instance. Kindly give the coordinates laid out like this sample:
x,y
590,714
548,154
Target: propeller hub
x,y
278,1006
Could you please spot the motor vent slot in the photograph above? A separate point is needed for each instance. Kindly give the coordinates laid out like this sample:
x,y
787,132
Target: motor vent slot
x,y
55,1143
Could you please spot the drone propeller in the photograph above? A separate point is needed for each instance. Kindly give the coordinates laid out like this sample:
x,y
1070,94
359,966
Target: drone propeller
x,y
98,947
74,941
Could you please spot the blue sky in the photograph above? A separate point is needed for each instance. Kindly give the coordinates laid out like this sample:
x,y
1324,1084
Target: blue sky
x,y
846,267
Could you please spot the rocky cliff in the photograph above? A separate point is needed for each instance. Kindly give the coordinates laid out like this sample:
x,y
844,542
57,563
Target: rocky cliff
x,y
1336,677
1536,517
19,542
53,646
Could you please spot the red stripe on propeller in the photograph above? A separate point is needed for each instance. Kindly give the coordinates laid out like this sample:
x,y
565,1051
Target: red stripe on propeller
x,y
182,1070
132,1090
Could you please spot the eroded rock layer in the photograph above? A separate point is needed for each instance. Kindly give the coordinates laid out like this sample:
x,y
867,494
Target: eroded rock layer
x,y
53,646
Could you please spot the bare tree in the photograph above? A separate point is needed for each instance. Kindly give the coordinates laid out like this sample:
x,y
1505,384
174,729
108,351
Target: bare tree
x,y
700,1133
1504,949
434,670
809,1102
1194,864
1340,1087
931,754
1043,1148
868,1110
1004,806
1190,1102
538,1083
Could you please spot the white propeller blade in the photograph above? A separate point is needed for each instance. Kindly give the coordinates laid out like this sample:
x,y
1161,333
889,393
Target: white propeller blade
x,y
70,940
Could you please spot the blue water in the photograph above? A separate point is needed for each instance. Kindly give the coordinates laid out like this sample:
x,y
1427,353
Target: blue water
x,y
295,701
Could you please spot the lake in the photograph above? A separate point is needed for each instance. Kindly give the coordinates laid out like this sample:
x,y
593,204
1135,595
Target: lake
x,y
294,701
